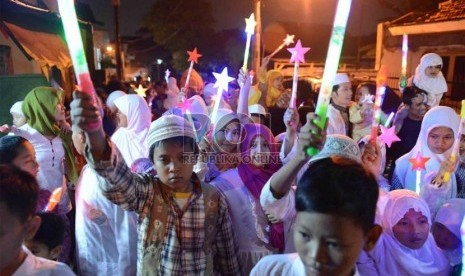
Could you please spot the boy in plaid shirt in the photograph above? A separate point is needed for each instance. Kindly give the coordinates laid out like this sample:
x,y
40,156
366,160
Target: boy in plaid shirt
x,y
184,225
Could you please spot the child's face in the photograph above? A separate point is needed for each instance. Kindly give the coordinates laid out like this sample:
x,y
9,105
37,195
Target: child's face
x,y
412,230
172,167
440,139
18,119
433,71
228,137
121,119
60,113
361,93
278,83
26,159
39,249
444,238
327,244
259,151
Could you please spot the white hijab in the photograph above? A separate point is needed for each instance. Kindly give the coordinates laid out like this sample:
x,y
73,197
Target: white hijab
x,y
131,140
434,86
440,116
451,215
393,258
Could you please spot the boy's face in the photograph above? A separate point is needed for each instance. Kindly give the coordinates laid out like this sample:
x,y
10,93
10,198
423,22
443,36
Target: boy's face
x,y
328,244
172,167
412,230
444,238
26,159
12,234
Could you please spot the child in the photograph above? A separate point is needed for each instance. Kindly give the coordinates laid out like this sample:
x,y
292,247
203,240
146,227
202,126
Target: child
x,y
435,141
241,187
48,240
18,199
446,232
428,76
16,112
361,114
336,204
406,246
184,226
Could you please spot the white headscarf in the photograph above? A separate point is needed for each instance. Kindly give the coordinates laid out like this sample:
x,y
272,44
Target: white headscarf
x,y
17,108
434,86
440,116
451,215
112,97
131,140
393,258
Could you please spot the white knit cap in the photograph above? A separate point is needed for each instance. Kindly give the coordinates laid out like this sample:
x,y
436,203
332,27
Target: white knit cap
x,y
112,97
339,145
169,126
341,78
17,108
257,109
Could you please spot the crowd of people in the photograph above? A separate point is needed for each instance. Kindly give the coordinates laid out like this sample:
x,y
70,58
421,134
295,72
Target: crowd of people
x,y
127,185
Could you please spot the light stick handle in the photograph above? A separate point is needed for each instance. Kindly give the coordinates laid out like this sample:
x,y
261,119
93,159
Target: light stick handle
x,y
332,62
403,74
246,53
189,72
219,95
418,181
277,49
453,157
292,103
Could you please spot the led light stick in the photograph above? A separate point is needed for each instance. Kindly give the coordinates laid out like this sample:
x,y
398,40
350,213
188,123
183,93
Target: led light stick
x,y
221,83
403,72
76,49
167,75
453,156
332,61
389,119
297,56
193,58
54,199
286,42
380,90
249,29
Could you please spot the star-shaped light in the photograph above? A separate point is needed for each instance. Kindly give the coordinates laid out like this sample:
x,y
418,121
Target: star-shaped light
x,y
388,135
194,56
419,162
167,73
222,80
289,39
141,91
250,24
298,52
367,98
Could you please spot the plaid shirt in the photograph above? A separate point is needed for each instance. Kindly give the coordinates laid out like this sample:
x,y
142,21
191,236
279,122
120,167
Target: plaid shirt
x,y
180,245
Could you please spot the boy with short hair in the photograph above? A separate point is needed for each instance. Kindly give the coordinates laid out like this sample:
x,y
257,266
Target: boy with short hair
x,y
336,205
184,226
18,199
48,240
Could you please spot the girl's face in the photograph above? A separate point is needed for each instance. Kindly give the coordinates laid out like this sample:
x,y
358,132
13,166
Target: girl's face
x,y
433,71
361,93
228,137
26,159
440,139
259,151
444,238
18,119
122,119
278,83
60,113
412,230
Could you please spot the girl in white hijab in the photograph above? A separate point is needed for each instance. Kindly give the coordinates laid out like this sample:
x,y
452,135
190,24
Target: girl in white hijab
x,y
446,231
428,76
406,246
435,141
134,122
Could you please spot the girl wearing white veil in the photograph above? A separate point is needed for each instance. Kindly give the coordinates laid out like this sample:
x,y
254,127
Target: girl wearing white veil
x,y
428,76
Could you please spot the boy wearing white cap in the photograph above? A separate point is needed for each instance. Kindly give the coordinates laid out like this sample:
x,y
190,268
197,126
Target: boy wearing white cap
x,y
338,109
184,226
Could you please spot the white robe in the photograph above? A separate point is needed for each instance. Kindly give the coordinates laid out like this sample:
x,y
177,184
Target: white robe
x,y
336,124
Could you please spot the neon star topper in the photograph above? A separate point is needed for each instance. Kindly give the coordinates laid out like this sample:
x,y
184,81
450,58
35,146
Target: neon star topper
x,y
286,42
388,135
419,162
250,24
167,75
193,56
368,99
141,91
221,83
298,52
249,29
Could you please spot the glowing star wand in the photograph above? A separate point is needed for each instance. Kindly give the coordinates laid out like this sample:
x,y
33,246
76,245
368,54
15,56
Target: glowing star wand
x,y
249,29
403,72
76,49
331,64
193,58
297,56
418,164
167,75
286,42
221,83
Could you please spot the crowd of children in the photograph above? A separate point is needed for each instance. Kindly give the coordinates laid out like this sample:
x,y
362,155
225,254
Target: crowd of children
x,y
164,191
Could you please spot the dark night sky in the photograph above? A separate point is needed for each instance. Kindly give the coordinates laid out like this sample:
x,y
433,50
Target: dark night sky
x,y
361,21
